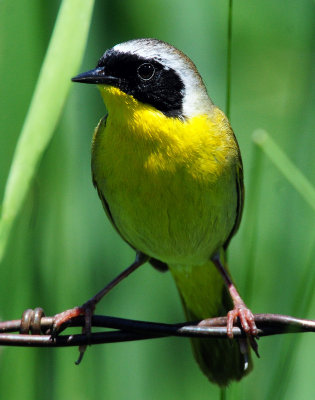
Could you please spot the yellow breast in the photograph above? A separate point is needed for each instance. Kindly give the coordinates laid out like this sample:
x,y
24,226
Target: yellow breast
x,y
169,184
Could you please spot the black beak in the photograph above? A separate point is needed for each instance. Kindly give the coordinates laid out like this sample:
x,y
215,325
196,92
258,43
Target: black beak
x,y
95,76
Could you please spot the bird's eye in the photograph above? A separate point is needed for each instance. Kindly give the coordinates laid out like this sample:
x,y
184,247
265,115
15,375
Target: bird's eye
x,y
146,71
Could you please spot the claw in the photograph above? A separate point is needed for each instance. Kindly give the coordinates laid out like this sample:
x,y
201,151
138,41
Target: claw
x,y
248,325
61,320
246,318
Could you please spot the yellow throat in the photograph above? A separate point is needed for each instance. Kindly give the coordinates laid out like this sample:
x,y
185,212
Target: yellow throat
x,y
153,170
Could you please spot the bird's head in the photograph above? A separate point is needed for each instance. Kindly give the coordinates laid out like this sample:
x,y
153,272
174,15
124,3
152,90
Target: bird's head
x,y
154,73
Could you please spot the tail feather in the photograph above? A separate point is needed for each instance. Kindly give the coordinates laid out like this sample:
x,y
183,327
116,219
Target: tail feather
x,y
204,295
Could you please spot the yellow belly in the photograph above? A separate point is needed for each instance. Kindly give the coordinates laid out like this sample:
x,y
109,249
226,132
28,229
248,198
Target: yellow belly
x,y
170,185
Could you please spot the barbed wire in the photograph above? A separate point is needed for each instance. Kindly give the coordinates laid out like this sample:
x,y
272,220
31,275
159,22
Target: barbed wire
x,y
35,328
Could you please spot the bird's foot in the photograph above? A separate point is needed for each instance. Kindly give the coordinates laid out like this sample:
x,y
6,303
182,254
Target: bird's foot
x,y
247,321
62,319
245,317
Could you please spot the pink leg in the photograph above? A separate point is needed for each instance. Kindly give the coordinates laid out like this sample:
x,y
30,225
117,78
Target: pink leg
x,y
87,309
240,310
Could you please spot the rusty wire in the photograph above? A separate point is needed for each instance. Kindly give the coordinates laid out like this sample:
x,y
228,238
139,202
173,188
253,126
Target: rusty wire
x,y
34,329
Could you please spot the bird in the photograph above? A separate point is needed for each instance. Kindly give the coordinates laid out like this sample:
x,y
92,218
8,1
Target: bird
x,y
168,170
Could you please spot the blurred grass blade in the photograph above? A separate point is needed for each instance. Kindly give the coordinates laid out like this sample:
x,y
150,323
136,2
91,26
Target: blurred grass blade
x,y
288,169
304,294
228,62
62,60
284,367
303,298
251,237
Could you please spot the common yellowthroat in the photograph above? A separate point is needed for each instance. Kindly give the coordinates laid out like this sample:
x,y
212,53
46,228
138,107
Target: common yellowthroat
x,y
168,169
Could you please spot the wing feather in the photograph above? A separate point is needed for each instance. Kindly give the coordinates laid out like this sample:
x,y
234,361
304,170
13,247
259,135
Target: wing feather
x,y
240,190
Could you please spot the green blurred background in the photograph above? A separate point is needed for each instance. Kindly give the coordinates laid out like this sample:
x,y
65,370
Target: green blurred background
x,y
62,248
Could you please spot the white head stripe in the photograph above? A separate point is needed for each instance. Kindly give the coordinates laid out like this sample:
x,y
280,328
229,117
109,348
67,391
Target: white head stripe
x,y
196,100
